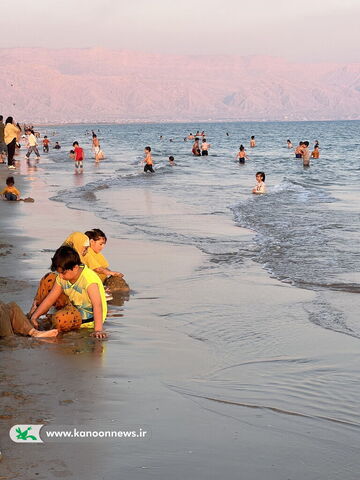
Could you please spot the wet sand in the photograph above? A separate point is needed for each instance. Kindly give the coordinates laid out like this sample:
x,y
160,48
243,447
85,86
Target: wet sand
x,y
151,374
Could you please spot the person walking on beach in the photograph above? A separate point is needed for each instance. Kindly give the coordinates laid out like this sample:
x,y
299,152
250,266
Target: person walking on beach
x,y
79,157
252,142
3,148
11,133
32,144
148,160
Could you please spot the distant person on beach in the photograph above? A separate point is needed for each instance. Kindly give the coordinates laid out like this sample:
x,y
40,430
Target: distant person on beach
x,y
205,148
299,150
172,161
3,148
46,143
252,142
316,143
57,146
11,133
306,154
84,291
289,144
190,136
242,155
10,192
13,321
112,280
32,144
79,156
196,148
148,160
316,152
260,184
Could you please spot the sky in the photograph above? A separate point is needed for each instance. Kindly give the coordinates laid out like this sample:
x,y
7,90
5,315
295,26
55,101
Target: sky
x,y
306,30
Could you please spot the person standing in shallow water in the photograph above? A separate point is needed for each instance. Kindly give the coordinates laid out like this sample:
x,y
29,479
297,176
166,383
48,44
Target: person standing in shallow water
x,y
306,154
148,160
252,142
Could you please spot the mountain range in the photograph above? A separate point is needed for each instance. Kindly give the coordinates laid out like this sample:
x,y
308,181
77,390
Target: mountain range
x,y
100,85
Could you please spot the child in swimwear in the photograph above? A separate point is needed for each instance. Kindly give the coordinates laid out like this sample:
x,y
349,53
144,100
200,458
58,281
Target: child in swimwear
x,y
306,154
289,144
79,156
10,192
148,160
315,153
242,155
299,150
195,148
82,287
46,143
171,160
205,148
260,186
252,142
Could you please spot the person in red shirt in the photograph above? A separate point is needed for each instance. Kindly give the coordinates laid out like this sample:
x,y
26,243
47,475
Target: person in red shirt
x,y
79,156
46,143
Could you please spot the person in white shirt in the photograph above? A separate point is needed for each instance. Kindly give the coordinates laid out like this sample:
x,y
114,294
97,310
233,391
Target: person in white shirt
x,y
32,144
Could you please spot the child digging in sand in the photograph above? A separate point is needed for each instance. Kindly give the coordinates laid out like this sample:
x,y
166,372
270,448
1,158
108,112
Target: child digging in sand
x,y
85,293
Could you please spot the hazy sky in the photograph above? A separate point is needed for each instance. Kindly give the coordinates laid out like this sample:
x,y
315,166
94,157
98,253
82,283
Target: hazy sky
x,y
312,30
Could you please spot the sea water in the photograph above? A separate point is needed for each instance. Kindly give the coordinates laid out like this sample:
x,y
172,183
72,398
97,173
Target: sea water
x,y
304,234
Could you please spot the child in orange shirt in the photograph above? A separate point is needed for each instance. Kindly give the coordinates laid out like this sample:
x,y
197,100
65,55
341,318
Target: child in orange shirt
x,y
10,192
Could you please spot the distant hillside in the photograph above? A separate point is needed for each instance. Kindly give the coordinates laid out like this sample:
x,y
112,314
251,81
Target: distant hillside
x,y
99,85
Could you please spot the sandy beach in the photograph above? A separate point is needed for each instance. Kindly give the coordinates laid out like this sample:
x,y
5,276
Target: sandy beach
x,y
213,407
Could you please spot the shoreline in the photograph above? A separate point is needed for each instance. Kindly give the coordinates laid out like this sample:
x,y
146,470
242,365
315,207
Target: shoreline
x,y
152,364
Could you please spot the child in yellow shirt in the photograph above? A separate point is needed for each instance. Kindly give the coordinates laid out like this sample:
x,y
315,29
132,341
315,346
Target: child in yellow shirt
x,y
10,192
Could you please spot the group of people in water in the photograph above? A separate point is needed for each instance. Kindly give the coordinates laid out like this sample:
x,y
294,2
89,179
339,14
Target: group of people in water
x,y
80,283
75,292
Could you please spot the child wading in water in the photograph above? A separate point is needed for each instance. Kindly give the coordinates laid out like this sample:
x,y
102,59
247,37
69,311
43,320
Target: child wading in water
x,y
315,153
205,147
148,160
79,156
46,143
252,142
32,145
260,185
